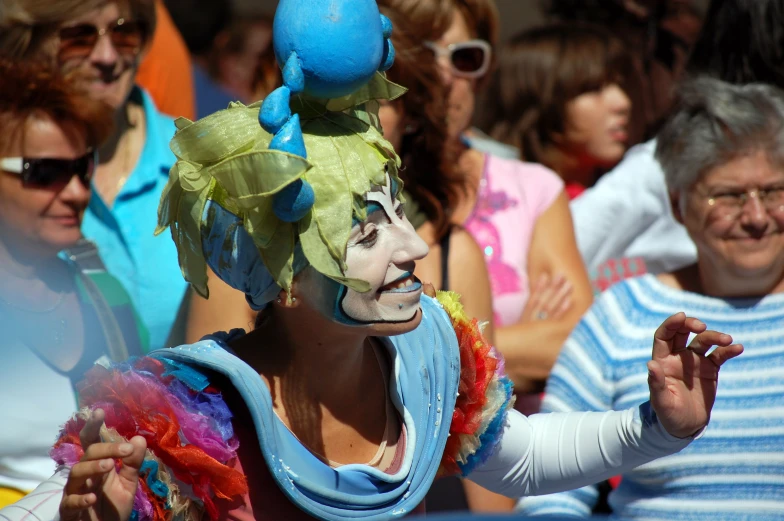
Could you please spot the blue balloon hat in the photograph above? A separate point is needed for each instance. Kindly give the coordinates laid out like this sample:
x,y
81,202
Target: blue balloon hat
x,y
327,50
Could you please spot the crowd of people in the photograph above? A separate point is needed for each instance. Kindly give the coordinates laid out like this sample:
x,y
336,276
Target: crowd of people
x,y
261,288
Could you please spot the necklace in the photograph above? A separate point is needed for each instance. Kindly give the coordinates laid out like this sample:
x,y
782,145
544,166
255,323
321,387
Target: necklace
x,y
112,176
58,333
58,330
51,308
129,140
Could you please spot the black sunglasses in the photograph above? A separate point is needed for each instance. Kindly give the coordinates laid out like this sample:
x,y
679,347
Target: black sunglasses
x,y
45,171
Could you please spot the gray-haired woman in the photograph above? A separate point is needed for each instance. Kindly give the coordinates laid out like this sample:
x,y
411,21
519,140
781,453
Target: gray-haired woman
x,y
723,155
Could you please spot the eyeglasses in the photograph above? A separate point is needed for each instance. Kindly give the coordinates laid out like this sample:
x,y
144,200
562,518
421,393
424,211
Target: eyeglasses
x,y
730,204
78,41
469,59
45,172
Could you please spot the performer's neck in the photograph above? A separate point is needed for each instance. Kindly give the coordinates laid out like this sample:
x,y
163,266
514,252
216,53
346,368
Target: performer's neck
x,y
328,359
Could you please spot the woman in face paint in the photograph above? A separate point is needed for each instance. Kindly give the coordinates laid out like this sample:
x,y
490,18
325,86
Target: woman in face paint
x,y
382,250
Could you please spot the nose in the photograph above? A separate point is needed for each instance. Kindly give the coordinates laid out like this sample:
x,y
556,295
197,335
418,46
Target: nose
x,y
411,246
104,52
445,70
75,193
617,99
755,217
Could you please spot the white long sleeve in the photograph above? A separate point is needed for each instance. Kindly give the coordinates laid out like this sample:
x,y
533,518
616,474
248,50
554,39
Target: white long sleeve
x,y
42,504
540,454
627,214
547,453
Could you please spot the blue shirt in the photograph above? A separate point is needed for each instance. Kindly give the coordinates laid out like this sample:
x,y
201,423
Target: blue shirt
x,y
146,265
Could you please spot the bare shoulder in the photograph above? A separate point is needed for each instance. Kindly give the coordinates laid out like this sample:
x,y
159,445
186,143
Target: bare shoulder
x,y
463,243
466,259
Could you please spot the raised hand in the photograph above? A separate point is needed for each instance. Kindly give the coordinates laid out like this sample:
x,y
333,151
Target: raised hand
x,y
95,490
682,380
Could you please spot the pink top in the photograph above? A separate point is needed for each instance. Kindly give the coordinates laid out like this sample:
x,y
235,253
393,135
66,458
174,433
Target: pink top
x,y
512,196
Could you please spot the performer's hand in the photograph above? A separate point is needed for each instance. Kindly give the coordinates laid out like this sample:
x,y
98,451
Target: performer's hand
x,y
95,490
682,380
428,289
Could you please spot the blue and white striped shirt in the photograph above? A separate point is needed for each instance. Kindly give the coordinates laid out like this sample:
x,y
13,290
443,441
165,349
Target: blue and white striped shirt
x,y
735,471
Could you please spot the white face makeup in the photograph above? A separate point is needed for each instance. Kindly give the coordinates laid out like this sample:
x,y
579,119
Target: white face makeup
x,y
383,251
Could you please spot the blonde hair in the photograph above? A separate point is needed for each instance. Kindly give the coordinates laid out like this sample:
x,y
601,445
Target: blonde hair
x,y
25,25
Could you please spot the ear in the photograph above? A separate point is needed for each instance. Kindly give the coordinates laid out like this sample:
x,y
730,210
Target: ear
x,y
410,127
676,199
557,138
287,299
221,40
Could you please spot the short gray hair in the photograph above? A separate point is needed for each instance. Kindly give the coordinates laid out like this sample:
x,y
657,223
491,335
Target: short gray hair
x,y
714,122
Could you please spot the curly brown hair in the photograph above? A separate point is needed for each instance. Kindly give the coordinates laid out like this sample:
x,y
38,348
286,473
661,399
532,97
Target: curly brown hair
x,y
32,89
429,158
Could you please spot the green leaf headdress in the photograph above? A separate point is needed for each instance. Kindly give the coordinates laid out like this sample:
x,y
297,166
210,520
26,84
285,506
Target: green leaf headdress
x,y
225,168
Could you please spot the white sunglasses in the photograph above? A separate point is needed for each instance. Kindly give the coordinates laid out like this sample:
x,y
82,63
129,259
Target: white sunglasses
x,y
469,59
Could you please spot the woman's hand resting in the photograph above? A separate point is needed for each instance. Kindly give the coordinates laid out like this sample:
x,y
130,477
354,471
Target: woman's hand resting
x,y
96,490
550,299
681,378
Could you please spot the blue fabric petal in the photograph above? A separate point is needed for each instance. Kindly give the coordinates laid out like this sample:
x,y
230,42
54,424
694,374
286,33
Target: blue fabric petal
x,y
289,138
389,56
275,110
294,202
386,26
186,374
293,77
240,266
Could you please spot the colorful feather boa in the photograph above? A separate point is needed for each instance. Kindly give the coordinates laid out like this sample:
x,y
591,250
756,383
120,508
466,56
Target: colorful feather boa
x,y
485,394
188,430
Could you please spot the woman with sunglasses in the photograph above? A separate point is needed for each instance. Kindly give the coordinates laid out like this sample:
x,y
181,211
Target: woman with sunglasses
x,y
516,212
57,319
103,41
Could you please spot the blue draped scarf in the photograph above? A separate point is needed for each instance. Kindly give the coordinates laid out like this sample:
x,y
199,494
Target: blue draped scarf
x,y
423,387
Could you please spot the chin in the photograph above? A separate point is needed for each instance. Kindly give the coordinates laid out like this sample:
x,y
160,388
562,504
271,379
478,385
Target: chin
x,y
753,265
611,158
62,240
46,249
115,100
114,94
396,328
